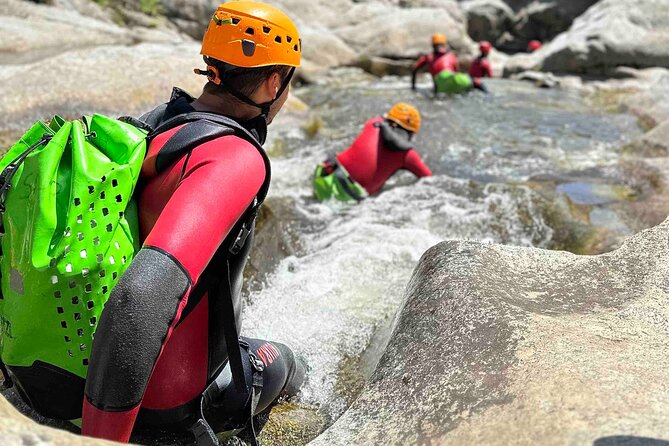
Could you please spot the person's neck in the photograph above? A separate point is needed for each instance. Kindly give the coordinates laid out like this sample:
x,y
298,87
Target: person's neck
x,y
224,105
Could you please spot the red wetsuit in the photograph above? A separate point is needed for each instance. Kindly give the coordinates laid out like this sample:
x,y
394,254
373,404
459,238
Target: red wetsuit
x,y
370,163
158,342
438,62
481,67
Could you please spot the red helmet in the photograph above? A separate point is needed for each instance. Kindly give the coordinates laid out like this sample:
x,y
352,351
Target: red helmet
x,y
533,46
485,47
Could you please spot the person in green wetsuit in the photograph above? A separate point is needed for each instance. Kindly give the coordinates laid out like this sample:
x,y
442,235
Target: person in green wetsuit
x,y
444,67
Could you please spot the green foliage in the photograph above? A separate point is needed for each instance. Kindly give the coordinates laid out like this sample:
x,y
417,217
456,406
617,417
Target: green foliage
x,y
150,7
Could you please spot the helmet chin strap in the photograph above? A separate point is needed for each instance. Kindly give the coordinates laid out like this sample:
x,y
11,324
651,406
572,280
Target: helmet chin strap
x,y
213,76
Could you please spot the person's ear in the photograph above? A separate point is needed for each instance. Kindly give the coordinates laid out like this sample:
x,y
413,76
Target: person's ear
x,y
274,84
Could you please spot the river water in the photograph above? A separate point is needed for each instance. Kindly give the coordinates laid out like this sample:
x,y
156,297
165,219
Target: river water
x,y
335,300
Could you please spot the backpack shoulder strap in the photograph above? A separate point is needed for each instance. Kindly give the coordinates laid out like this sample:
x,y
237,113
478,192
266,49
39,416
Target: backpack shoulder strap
x,y
199,128
202,127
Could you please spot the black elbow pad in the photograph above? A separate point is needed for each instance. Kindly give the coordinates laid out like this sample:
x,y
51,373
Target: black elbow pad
x,y
133,327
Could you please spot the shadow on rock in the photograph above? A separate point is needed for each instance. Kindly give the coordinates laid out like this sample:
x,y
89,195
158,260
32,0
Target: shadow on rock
x,y
625,440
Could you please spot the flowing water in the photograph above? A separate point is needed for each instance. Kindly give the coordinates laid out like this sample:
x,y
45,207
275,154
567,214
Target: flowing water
x,y
334,302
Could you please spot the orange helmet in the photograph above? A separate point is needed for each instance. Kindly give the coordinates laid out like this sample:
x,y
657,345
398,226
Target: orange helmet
x,y
439,39
250,34
406,116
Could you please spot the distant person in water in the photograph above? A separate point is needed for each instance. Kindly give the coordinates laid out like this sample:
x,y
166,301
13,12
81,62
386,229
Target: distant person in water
x,y
533,46
383,147
481,66
444,67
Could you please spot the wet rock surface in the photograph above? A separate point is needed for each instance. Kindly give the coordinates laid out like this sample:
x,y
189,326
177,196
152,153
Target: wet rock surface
x,y
502,345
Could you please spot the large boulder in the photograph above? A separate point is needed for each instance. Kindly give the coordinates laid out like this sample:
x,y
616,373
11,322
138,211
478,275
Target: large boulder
x,y
503,345
405,33
545,19
113,80
488,19
611,33
31,32
18,430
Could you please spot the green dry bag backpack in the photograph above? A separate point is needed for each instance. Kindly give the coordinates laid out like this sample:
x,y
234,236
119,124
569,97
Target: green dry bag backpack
x,y
69,230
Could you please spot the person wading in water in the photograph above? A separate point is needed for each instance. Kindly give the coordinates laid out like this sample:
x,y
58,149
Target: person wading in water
x,y
444,68
383,147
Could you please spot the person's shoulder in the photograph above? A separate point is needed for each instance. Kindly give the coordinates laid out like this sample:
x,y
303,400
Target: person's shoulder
x,y
227,149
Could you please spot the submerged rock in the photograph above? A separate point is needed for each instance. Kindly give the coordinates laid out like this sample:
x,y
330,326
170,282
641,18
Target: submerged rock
x,y
501,345
653,144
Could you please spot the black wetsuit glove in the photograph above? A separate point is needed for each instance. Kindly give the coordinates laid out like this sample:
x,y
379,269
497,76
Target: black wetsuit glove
x,y
480,86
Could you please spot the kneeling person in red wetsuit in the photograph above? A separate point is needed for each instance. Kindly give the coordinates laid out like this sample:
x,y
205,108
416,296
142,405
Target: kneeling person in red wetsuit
x,y
161,358
383,148
481,66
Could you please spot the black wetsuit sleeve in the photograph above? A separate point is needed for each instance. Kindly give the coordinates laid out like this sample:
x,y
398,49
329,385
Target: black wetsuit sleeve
x,y
142,306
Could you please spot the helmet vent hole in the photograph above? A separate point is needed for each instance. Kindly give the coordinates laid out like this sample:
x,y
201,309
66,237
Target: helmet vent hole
x,y
277,39
67,339
119,198
109,227
80,236
77,316
295,48
92,321
84,272
77,201
235,20
250,31
80,332
85,362
72,284
60,310
96,239
105,211
90,304
289,39
114,182
75,300
57,294
266,29
82,347
91,207
93,225
68,268
88,288
102,273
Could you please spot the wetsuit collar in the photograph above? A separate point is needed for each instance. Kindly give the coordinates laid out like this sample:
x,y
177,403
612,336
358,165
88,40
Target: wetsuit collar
x,y
180,103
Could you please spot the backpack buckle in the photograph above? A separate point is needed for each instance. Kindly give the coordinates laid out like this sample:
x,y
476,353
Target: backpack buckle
x,y
240,241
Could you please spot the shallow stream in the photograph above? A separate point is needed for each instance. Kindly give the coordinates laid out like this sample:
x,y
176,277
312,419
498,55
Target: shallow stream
x,y
335,299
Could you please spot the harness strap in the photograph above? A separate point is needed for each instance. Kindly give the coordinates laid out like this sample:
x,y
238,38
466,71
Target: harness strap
x,y
343,178
7,382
